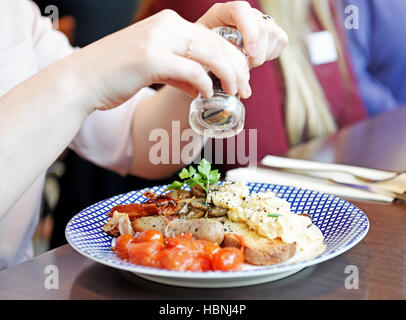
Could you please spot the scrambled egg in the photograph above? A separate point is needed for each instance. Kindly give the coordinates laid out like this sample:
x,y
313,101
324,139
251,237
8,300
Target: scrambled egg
x,y
267,214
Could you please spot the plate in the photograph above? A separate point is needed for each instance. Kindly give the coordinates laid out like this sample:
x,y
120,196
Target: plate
x,y
342,224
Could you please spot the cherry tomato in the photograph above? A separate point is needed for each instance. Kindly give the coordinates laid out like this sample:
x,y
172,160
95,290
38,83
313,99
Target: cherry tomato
x,y
184,241
176,258
150,235
122,244
180,253
201,262
209,247
228,259
145,253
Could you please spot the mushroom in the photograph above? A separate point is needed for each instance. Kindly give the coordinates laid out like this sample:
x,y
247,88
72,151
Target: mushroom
x,y
197,208
198,191
199,203
216,211
195,213
179,194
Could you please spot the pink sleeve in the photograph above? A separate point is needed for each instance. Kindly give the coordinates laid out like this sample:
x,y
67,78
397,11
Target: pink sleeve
x,y
105,137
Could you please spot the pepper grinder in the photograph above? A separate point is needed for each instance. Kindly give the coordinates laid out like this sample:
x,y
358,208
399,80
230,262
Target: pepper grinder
x,y
222,115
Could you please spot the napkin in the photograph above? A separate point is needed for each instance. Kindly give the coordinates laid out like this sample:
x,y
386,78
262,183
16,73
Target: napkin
x,y
317,181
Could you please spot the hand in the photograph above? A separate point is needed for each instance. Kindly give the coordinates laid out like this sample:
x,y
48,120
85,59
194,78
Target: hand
x,y
263,39
156,50
167,49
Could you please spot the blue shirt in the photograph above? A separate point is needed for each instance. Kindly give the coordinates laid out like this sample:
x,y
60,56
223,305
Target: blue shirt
x,y
378,50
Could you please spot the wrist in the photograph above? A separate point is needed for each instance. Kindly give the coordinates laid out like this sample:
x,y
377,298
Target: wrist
x,y
72,85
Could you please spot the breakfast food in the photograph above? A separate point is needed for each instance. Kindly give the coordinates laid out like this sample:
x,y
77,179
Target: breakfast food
x,y
181,252
266,214
259,227
258,250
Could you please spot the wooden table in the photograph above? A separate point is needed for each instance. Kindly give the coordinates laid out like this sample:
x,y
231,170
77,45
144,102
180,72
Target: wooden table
x,y
380,257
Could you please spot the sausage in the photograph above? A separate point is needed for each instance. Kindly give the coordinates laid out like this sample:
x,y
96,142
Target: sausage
x,y
153,222
204,229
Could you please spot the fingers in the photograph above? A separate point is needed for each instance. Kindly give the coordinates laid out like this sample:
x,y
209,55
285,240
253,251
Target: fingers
x,y
195,45
272,40
183,86
216,63
237,14
263,39
224,60
184,74
282,42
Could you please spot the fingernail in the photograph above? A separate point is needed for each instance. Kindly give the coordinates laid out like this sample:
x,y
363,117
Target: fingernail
x,y
209,94
235,91
253,49
249,91
246,92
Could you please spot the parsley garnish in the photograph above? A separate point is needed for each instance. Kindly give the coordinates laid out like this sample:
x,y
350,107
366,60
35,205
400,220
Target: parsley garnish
x,y
274,215
203,176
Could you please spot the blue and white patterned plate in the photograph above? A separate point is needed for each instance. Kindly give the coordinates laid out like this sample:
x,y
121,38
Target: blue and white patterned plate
x,y
342,224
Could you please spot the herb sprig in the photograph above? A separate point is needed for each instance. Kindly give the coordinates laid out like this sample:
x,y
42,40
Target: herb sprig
x,y
203,177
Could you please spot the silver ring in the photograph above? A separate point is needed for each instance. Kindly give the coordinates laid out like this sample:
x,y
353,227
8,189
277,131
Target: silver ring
x,y
268,17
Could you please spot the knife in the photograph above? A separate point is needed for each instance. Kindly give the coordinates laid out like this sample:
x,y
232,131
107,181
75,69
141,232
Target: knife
x,y
372,189
296,165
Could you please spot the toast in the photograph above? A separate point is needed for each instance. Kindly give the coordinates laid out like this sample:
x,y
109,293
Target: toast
x,y
259,250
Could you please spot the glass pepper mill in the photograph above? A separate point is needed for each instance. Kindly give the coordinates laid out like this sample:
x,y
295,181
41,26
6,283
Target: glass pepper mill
x,y
222,115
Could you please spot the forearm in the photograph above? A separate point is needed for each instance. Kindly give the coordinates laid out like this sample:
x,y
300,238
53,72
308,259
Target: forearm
x,y
165,112
38,119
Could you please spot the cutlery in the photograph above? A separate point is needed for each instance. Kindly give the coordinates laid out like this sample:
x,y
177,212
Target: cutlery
x,y
368,180
372,189
356,176
369,188
297,166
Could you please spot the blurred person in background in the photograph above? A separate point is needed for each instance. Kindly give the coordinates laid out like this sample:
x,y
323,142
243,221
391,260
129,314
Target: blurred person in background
x,y
309,91
377,45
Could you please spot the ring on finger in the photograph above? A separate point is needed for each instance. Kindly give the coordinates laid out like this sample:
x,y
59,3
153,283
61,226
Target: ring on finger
x,y
189,48
268,17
